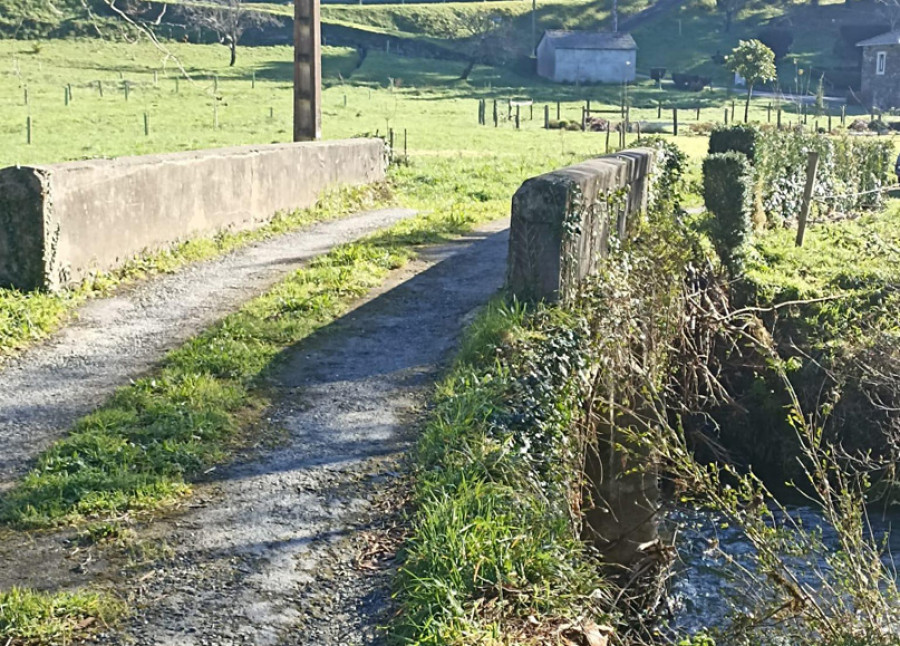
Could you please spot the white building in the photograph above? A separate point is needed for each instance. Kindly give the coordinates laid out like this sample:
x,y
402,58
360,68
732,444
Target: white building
x,y
587,56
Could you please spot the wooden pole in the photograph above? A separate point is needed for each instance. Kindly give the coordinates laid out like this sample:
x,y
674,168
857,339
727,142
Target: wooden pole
x,y
307,71
146,125
496,115
66,95
517,117
557,110
608,129
726,116
675,121
405,147
28,130
546,117
812,164
25,94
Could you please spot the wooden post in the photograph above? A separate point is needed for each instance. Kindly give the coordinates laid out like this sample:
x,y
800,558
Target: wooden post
x,y
69,90
698,113
146,125
517,117
127,87
391,140
843,115
812,164
675,121
100,88
583,120
531,111
508,109
732,111
778,123
608,129
307,71
829,121
496,115
25,94
66,95
726,116
659,109
769,113
546,117
557,110
28,130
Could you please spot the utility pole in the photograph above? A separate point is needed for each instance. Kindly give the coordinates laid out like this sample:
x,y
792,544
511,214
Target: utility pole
x,y
307,71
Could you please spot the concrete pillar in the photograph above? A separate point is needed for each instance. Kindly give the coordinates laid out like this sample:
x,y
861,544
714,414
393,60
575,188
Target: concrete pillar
x,y
307,71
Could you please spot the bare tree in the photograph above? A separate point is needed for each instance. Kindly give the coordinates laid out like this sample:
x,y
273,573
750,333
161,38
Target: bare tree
x,y
731,9
229,19
890,11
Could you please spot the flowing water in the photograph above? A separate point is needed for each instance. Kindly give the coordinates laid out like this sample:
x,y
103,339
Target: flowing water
x,y
705,588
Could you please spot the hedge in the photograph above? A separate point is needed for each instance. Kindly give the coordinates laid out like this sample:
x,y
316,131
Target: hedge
x,y
742,138
728,194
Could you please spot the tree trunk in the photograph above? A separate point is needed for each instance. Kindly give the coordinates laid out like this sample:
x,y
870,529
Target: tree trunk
x,y
233,53
747,105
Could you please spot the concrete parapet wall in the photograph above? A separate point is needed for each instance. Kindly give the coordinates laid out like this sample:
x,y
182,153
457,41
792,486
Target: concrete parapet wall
x,y
562,221
61,222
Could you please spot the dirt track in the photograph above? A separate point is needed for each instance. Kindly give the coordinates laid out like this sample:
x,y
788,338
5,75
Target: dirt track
x,y
116,339
271,554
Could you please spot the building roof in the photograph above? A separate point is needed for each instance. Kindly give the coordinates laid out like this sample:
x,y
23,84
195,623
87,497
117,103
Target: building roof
x,y
890,38
562,39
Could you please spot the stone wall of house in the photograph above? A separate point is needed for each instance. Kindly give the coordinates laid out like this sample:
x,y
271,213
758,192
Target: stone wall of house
x,y
881,90
594,66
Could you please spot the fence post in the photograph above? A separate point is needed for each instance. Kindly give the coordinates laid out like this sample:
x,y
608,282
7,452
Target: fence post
x,y
557,110
583,119
546,117
698,113
732,111
496,116
608,129
726,116
28,129
531,111
779,118
812,164
100,88
517,117
829,121
146,125
769,113
675,121
843,115
659,109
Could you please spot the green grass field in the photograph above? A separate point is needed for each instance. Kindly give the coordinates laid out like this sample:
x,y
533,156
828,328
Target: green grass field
x,y
224,106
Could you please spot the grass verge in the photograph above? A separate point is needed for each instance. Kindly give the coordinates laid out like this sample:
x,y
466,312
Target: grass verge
x,y
40,618
27,317
493,556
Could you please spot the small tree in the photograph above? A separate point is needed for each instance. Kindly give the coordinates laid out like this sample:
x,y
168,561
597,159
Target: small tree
x,y
229,19
755,63
889,10
731,8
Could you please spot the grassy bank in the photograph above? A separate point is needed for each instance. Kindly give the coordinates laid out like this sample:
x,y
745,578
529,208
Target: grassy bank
x,y
493,556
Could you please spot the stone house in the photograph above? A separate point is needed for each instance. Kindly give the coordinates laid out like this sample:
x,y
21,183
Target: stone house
x,y
587,56
881,70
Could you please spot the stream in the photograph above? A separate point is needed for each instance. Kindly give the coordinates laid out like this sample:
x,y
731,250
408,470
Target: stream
x,y
704,588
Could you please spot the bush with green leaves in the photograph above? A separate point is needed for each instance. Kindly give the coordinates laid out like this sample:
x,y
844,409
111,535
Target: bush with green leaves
x,y
728,195
742,138
667,183
851,172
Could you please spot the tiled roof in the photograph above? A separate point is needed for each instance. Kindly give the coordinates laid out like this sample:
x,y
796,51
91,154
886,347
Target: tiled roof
x,y
562,39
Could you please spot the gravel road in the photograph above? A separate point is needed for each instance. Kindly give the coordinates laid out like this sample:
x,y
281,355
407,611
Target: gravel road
x,y
116,339
271,552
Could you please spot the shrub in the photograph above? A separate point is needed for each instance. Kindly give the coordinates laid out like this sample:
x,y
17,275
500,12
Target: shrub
x,y
667,182
657,73
741,138
690,82
728,195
